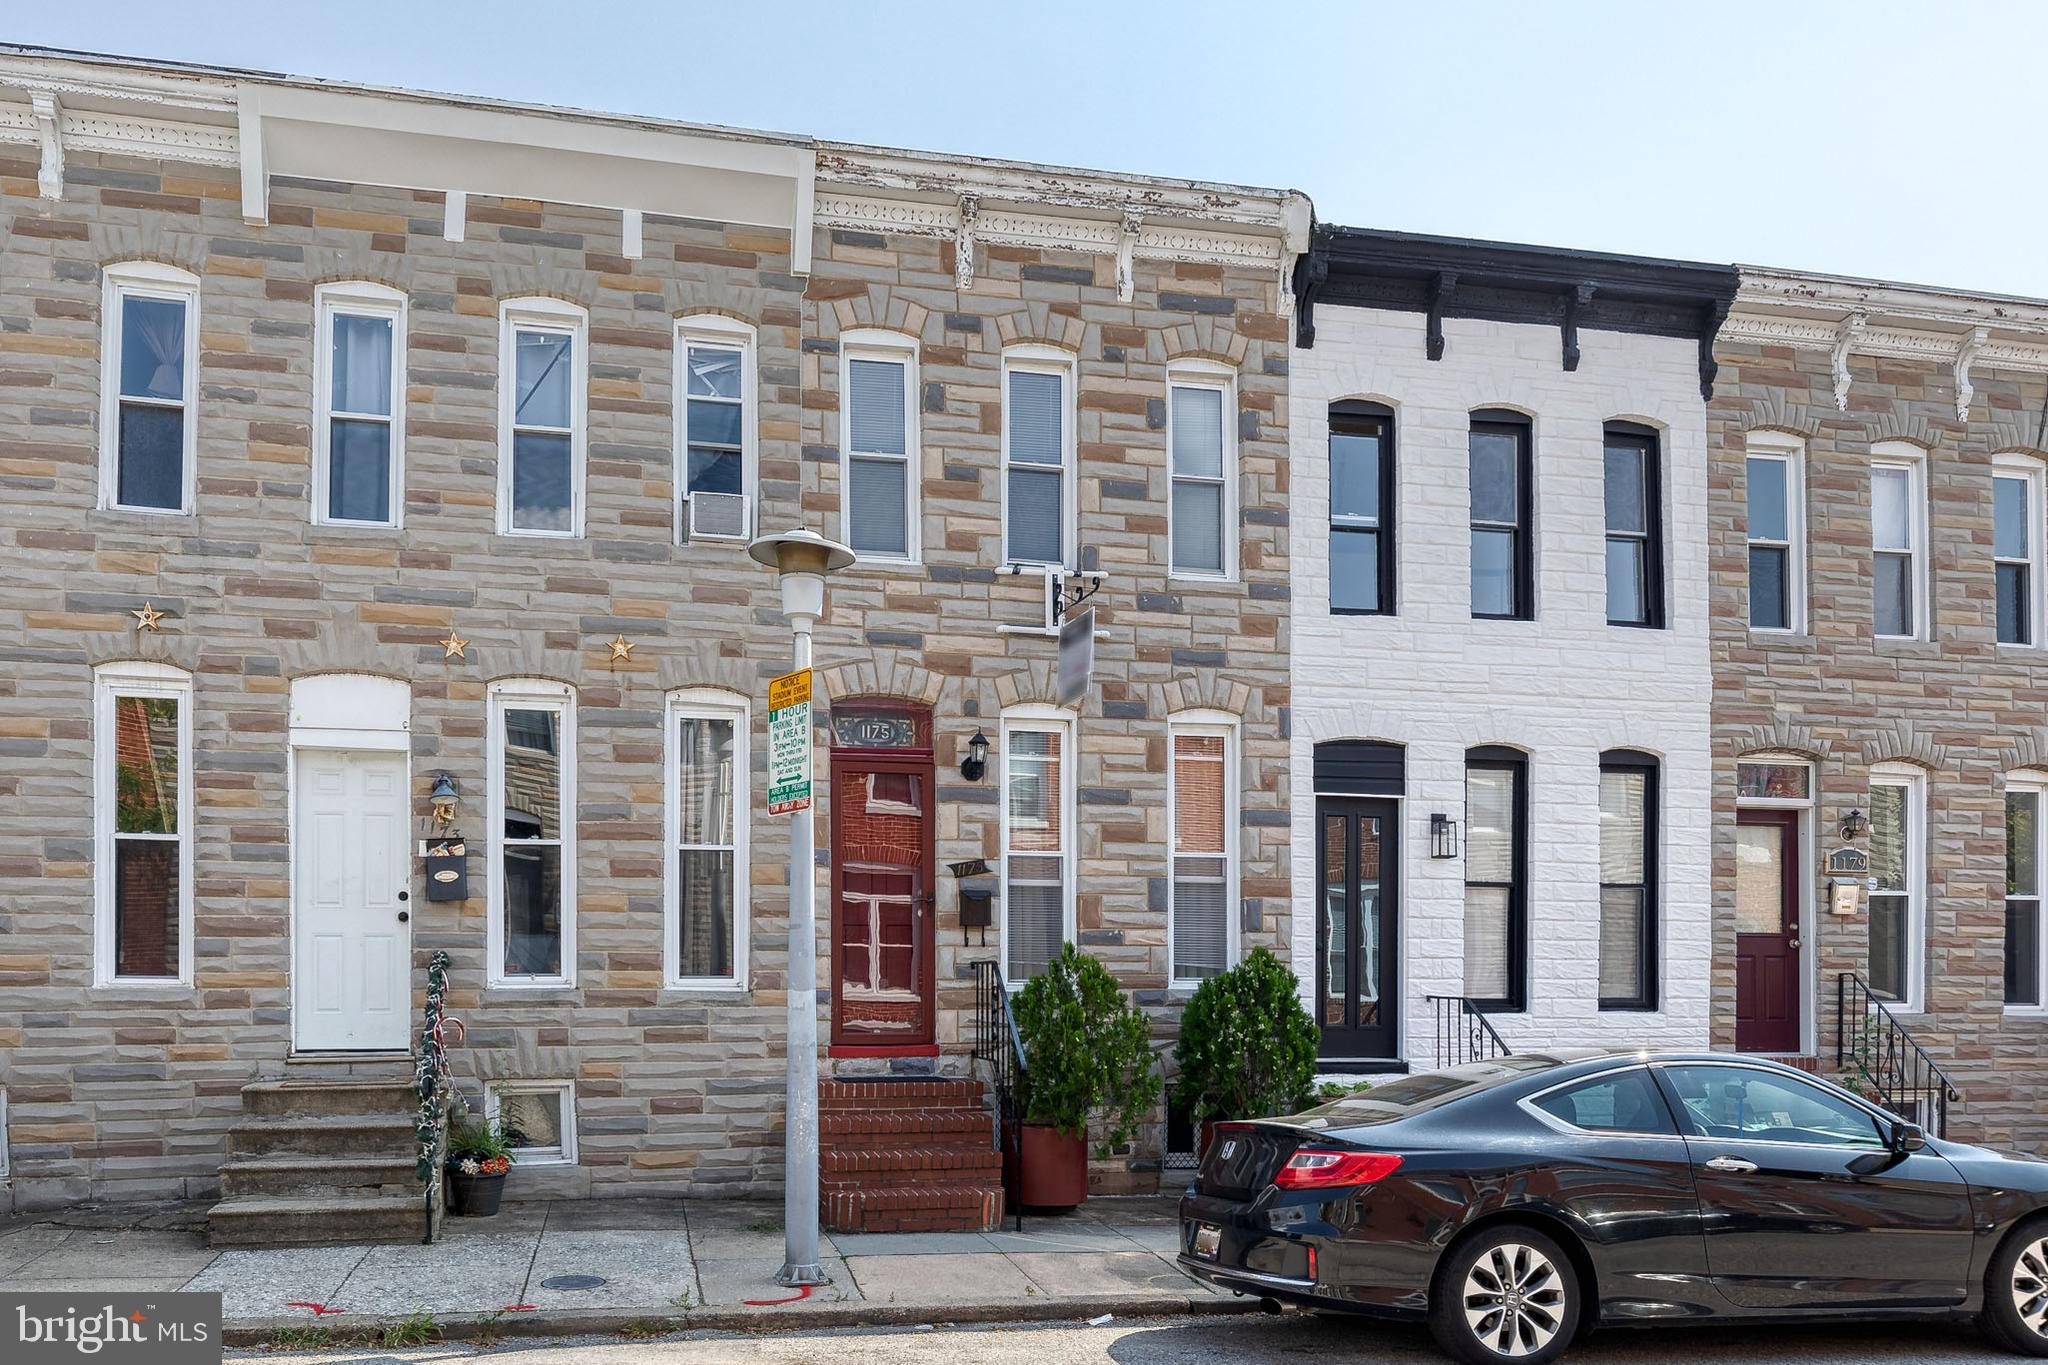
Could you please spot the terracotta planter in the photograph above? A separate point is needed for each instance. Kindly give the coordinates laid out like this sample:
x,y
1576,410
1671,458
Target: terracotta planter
x,y
474,1196
1054,1170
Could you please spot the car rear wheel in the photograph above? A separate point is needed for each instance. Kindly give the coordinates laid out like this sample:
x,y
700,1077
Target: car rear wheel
x,y
1509,1293
2016,1292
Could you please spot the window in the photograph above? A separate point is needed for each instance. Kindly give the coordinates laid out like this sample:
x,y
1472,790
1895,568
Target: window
x,y
1777,514
1618,1102
1898,517
2016,547
532,880
149,365
1361,509
142,786
541,418
1496,877
1203,817
715,405
879,445
539,1119
1635,529
1038,849
359,386
1628,881
1201,438
1038,456
1739,1102
707,823
1775,781
1896,897
2026,969
1501,514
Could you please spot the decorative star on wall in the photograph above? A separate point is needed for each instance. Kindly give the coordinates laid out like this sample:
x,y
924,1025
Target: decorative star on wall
x,y
452,647
621,648
147,617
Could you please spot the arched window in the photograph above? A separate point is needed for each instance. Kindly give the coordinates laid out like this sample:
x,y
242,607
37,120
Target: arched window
x,y
1628,880
1775,484
1202,818
1037,837
879,451
1496,877
532,879
149,370
1362,559
359,397
142,798
705,942
2016,528
716,413
1502,469
543,354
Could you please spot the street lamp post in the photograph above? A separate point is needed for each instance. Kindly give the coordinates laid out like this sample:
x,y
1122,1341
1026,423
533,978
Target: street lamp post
x,y
801,559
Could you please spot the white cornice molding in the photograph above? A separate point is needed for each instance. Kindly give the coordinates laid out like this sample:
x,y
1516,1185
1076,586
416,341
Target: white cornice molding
x,y
123,135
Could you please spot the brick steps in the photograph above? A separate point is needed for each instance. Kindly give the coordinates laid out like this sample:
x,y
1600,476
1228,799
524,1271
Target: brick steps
x,y
907,1156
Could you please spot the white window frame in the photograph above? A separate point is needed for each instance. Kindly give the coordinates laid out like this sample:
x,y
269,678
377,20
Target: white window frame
x,y
1791,452
2034,781
705,703
356,298
138,679
715,330
1914,781
4,1141
542,314
1913,459
2012,464
1221,379
149,280
1041,359
1040,718
897,349
1222,725
565,1093
529,694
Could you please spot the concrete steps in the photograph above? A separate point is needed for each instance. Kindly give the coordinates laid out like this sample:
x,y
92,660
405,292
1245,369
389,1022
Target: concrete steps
x,y
913,1155
313,1220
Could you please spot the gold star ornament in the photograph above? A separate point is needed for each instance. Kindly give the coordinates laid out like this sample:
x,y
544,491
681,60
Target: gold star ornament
x,y
452,647
147,617
621,648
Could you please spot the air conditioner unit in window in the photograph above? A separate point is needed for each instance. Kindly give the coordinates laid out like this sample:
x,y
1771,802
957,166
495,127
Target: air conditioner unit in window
x,y
718,515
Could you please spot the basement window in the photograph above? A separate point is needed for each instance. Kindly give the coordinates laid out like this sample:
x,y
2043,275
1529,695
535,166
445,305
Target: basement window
x,y
539,1119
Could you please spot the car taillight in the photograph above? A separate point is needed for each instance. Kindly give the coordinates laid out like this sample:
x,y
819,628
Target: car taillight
x,y
1312,1168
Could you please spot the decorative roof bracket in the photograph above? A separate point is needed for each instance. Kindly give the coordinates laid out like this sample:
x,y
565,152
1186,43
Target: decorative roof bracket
x,y
1581,295
49,117
1126,244
963,243
1441,287
1845,336
1711,318
1966,356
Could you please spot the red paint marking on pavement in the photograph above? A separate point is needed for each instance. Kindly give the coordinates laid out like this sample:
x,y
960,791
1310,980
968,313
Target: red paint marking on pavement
x,y
803,1292
519,1307
320,1310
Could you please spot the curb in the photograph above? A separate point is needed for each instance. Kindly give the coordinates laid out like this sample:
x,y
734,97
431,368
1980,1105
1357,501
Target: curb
x,y
612,1322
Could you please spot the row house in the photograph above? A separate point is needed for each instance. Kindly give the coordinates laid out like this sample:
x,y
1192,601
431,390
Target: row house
x,y
1501,738
364,448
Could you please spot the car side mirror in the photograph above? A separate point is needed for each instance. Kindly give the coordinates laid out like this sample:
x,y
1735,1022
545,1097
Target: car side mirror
x,y
1907,1138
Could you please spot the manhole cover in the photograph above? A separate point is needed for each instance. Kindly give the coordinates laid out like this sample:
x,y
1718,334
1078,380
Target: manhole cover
x,y
574,1282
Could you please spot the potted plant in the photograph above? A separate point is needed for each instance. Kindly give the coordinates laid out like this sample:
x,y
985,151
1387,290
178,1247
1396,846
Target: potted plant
x,y
1247,1048
1085,1052
479,1155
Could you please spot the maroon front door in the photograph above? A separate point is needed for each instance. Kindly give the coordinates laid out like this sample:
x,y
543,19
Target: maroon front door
x,y
882,977
1768,972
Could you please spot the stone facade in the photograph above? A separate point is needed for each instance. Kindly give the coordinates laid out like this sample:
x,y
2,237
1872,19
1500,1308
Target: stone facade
x,y
1957,708
114,1092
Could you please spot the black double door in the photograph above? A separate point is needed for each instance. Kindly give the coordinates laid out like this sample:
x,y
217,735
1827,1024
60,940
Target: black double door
x,y
1358,921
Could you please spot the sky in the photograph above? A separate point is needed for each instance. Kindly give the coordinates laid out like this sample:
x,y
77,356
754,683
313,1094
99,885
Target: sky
x,y
1874,138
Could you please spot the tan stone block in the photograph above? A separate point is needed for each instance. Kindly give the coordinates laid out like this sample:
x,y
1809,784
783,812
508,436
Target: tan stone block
x,y
255,981
248,269
267,453
664,1161
35,344
196,1052
126,561
75,621
354,554
21,1131
24,727
404,614
361,222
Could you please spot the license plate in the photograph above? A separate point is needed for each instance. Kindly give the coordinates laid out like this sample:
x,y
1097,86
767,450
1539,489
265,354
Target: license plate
x,y
1207,1237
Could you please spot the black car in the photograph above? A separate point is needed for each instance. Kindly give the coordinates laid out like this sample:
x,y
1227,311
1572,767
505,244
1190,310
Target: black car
x,y
1516,1202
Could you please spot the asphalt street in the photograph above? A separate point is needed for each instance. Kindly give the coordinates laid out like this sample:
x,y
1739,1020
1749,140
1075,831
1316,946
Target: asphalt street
x,y
1243,1341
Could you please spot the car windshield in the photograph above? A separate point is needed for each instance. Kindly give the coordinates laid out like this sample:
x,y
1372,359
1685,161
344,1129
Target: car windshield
x,y
1412,1095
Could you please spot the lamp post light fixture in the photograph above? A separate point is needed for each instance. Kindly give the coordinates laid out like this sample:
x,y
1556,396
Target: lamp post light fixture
x,y
1443,836
801,559
976,762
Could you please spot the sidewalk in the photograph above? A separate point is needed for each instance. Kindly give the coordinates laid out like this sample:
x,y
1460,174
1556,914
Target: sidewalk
x,y
643,1265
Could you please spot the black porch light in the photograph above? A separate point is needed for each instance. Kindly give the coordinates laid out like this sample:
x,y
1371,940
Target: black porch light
x,y
976,762
443,797
1854,826
1443,836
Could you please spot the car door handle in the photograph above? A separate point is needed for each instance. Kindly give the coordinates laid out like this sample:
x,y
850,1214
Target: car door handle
x,y
1731,1165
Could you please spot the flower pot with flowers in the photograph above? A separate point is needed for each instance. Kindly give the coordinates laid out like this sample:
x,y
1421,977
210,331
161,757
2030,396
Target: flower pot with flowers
x,y
479,1155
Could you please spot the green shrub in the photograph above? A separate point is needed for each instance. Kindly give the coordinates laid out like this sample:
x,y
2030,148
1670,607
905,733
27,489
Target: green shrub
x,y
1247,1048
1087,1049
479,1141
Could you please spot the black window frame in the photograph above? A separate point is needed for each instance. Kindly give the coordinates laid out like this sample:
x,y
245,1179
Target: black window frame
x,y
1507,422
1634,760
1357,417
1500,757
1644,440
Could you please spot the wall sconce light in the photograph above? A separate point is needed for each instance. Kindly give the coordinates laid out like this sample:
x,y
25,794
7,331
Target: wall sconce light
x,y
444,798
1854,826
976,762
1443,836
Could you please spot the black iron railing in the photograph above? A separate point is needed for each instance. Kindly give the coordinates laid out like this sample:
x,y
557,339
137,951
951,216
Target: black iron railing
x,y
1874,1053
431,1084
1463,1032
999,1047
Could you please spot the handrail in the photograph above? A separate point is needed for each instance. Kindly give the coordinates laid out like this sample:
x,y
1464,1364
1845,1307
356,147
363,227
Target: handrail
x,y
1888,1056
431,1082
998,1044
1464,1033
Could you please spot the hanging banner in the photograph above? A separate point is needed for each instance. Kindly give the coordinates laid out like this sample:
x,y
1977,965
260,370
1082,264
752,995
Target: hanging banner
x,y
789,743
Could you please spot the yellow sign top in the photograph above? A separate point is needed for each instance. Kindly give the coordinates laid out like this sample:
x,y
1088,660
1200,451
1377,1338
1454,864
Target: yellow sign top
x,y
791,689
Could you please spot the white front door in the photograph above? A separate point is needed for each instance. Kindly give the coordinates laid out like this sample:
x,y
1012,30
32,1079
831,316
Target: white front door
x,y
351,943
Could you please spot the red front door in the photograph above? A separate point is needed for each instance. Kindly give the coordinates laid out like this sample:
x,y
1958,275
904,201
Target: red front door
x,y
881,900
1768,971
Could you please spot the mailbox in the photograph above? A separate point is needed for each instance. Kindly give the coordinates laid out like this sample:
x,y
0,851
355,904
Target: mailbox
x,y
978,903
447,870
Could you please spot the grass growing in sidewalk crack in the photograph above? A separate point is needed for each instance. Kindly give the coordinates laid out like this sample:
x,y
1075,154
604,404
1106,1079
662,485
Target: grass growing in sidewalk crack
x,y
487,1328
642,1329
301,1339
416,1329
684,1300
